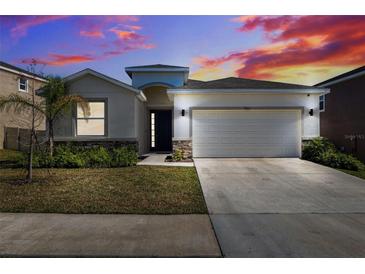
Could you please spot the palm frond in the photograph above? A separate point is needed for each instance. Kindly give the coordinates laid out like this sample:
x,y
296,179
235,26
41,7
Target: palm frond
x,y
65,102
19,103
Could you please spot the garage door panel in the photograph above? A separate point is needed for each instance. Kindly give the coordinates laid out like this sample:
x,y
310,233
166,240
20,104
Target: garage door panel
x,y
246,133
235,150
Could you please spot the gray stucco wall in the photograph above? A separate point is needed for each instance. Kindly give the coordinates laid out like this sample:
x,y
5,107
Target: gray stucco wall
x,y
142,126
120,118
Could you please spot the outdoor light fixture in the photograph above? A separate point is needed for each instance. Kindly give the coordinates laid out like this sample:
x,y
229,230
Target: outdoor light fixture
x,y
183,112
311,112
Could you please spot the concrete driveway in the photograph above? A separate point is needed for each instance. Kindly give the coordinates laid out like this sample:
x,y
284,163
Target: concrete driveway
x,y
283,208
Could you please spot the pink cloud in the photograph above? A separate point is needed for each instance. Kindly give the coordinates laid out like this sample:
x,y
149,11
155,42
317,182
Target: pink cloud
x,y
19,25
297,41
92,34
98,24
120,35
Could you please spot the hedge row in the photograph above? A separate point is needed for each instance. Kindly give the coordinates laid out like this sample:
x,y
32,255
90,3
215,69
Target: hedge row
x,y
66,156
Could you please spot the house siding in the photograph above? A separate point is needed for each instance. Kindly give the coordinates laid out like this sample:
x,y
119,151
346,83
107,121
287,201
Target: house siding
x,y
142,126
182,124
120,118
9,85
343,121
175,79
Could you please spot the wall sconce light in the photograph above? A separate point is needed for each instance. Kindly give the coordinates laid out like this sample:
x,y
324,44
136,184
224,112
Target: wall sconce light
x,y
183,112
311,112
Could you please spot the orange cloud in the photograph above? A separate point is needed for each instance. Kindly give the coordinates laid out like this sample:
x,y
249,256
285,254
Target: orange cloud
x,y
134,27
123,34
295,44
60,60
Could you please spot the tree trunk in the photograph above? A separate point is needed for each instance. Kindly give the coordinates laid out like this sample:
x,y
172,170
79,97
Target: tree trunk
x,y
50,137
29,177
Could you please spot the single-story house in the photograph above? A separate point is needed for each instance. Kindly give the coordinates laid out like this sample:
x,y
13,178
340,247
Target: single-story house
x,y
342,112
163,110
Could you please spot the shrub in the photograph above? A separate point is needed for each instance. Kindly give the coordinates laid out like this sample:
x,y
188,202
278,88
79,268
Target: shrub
x,y
315,148
64,156
69,156
178,155
40,159
97,157
322,151
124,156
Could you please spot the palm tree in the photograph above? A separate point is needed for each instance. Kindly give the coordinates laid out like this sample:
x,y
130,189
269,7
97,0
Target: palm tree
x,y
58,101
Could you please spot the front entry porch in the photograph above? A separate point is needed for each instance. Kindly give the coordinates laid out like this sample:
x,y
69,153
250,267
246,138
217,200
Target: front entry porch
x,y
161,130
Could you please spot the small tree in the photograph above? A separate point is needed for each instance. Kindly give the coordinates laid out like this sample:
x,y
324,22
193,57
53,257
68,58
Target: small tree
x,y
26,104
58,100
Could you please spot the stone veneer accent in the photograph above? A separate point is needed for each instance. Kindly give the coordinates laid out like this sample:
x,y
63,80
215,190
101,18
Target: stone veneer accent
x,y
105,143
184,145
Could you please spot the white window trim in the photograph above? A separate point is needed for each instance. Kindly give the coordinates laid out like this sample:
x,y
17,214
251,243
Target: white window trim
x,y
26,85
324,103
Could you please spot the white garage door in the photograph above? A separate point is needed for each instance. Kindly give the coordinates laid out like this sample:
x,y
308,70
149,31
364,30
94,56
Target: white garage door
x,y
246,133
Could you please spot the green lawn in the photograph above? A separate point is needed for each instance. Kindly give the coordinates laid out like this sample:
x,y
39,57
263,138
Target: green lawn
x,y
359,173
139,190
8,156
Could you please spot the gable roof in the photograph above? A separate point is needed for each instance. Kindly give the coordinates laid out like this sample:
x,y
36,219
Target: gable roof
x,y
343,77
11,68
155,68
240,83
109,79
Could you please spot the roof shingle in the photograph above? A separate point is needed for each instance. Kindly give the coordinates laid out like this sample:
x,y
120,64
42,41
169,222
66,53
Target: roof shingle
x,y
239,83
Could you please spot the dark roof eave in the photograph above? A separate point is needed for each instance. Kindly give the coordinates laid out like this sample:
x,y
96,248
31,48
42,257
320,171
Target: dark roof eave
x,y
344,76
20,70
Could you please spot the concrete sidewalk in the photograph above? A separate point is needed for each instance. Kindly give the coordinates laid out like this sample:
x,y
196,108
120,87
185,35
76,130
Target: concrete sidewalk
x,y
154,159
93,235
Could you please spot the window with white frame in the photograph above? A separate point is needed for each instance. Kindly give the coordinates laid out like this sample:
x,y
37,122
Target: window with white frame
x,y
23,84
92,123
321,102
153,141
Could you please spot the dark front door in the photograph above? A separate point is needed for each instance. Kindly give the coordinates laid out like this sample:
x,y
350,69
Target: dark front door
x,y
161,130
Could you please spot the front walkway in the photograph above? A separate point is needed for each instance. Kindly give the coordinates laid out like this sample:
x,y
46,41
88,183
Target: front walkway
x,y
283,208
154,159
93,235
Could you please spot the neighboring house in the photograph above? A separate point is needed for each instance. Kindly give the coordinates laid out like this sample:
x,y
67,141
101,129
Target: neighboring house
x,y
342,112
17,80
164,110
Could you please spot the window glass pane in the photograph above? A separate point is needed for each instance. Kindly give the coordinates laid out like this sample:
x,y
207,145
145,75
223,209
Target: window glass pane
x,y
96,110
23,84
321,102
90,127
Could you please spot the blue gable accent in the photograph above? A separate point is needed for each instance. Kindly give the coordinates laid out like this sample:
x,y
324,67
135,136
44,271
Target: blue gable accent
x,y
169,76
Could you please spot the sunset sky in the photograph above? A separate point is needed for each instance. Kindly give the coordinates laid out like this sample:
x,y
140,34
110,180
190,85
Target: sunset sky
x,y
296,49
